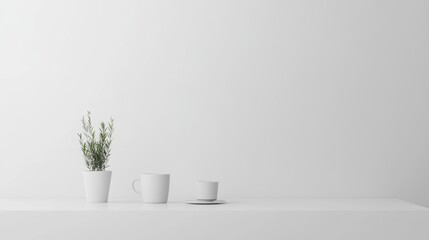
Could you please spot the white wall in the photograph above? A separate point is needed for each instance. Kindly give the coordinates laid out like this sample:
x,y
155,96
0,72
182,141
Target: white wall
x,y
272,98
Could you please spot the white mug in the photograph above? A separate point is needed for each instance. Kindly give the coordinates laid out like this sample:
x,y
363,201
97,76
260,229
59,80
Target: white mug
x,y
206,190
154,187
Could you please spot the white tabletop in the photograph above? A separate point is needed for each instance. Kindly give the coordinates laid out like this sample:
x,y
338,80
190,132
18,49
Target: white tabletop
x,y
277,204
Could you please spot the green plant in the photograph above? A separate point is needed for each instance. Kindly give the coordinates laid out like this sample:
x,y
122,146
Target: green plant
x,y
96,151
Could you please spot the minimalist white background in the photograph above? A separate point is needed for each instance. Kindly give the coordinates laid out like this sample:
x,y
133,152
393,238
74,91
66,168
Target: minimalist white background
x,y
271,98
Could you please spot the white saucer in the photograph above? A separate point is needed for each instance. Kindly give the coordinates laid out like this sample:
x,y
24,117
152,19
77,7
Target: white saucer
x,y
200,202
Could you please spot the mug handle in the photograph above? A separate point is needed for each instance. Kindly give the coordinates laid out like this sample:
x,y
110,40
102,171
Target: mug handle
x,y
134,181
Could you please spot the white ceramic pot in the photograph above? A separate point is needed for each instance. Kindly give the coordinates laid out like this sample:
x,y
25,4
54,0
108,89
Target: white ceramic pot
x,y
154,187
97,185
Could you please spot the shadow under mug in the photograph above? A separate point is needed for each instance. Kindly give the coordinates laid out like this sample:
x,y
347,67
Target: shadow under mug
x,y
154,187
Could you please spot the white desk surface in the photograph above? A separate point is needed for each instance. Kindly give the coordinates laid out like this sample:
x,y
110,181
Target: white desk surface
x,y
271,204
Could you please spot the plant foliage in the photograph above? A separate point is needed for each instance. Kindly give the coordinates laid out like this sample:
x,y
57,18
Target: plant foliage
x,y
96,149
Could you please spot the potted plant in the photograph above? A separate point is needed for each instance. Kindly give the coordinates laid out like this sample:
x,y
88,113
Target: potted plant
x,y
96,153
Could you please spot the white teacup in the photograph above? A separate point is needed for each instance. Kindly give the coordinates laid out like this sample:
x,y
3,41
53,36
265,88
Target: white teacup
x,y
154,187
206,190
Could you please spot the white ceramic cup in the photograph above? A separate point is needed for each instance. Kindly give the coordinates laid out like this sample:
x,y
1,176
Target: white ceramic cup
x,y
154,187
206,190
